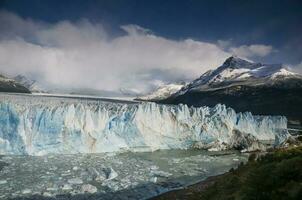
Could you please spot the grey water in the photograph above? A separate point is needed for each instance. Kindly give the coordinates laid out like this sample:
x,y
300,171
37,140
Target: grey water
x,y
109,175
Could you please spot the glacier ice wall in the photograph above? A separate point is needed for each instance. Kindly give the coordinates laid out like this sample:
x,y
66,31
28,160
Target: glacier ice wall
x,y
42,125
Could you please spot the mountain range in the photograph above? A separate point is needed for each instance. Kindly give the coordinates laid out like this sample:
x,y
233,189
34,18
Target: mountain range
x,y
245,86
23,84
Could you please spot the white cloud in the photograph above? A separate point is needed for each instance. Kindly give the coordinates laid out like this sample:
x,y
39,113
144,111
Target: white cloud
x,y
297,68
252,50
224,44
133,29
83,54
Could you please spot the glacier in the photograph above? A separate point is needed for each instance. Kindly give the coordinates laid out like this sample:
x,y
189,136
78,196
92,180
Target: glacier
x,y
32,125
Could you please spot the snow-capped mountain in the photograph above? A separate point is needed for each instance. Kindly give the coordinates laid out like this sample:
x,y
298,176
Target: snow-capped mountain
x,y
10,85
246,86
236,71
32,85
162,92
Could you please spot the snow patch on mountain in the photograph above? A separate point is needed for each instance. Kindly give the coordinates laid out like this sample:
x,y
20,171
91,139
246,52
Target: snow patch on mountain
x,y
283,73
162,92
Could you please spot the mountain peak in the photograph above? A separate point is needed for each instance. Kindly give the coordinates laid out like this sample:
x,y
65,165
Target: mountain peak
x,y
236,62
237,71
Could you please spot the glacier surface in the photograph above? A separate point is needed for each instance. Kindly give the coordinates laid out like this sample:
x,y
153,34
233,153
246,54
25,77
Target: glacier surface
x,y
43,125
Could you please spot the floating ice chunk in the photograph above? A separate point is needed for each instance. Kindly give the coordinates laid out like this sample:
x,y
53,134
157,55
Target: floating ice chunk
x,y
46,194
108,174
154,167
154,179
52,189
92,174
114,186
88,188
67,187
112,174
3,182
75,181
26,191
176,160
161,173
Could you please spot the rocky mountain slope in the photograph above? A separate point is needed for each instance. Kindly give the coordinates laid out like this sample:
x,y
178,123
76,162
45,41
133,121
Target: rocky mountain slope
x,y
10,85
32,85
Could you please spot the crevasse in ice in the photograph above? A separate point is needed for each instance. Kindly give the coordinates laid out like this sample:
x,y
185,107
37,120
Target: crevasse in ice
x,y
43,125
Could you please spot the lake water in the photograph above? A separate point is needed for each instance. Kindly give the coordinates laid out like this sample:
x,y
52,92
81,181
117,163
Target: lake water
x,y
108,175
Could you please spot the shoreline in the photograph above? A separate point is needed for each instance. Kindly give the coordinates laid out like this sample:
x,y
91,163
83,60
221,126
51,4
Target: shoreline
x,y
183,192
274,175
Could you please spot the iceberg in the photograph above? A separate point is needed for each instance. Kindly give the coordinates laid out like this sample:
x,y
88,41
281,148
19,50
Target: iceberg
x,y
48,125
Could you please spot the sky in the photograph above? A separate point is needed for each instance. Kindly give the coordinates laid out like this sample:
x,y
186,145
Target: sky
x,y
139,45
